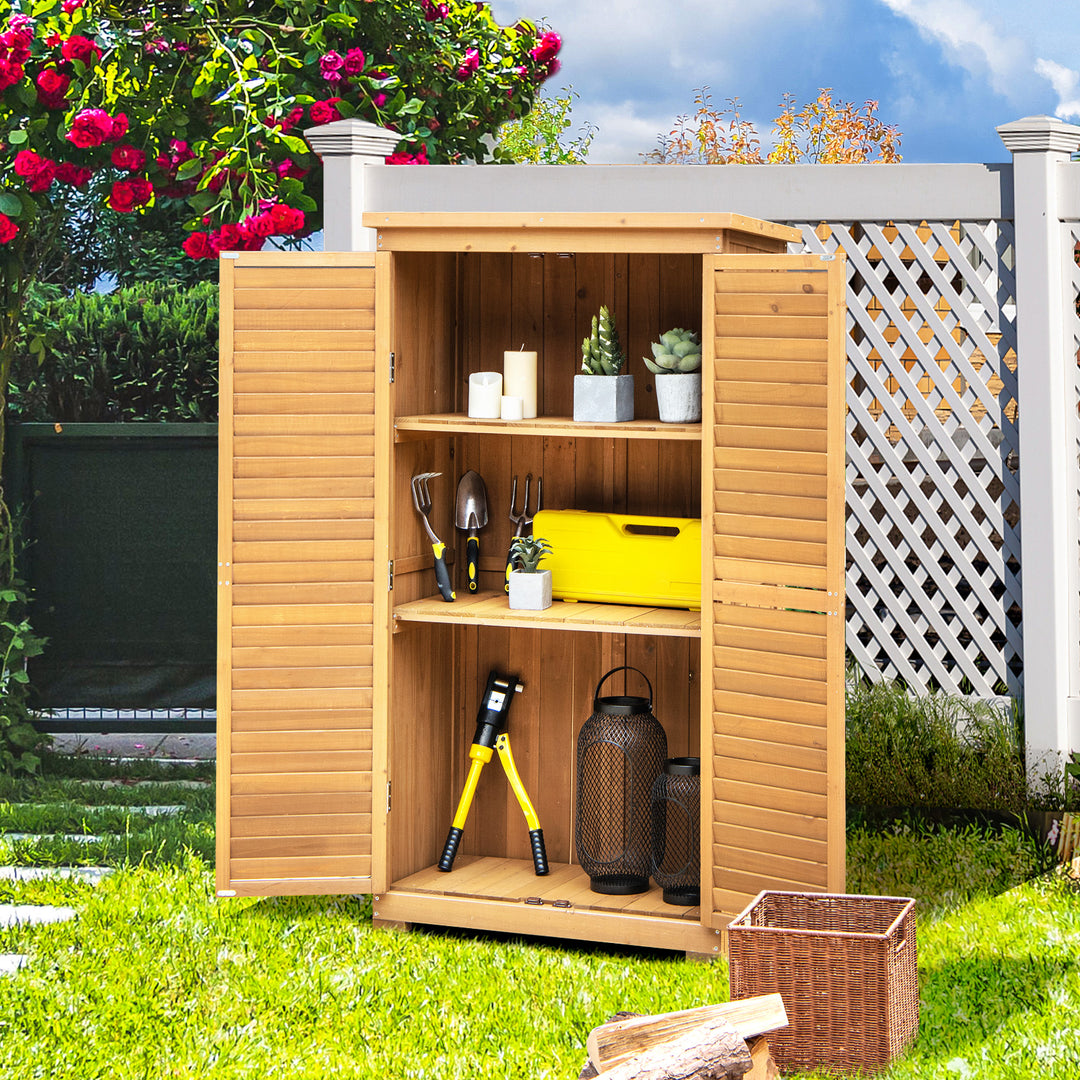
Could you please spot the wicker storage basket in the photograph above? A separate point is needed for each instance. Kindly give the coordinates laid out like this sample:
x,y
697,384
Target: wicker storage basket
x,y
845,967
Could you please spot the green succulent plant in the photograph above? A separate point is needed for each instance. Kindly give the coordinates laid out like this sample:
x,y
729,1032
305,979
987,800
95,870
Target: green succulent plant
x,y
677,352
601,353
527,551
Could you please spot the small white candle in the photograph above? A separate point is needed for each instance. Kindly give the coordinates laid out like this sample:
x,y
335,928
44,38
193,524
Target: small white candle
x,y
485,392
519,380
512,408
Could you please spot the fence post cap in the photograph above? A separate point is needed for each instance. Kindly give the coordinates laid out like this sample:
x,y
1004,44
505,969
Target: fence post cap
x,y
353,137
1040,133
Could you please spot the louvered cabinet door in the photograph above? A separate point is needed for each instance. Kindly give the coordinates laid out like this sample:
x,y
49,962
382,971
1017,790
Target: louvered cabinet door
x,y
296,574
773,423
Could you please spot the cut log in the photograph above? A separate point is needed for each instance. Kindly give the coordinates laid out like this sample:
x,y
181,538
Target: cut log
x,y
612,1043
764,1066
711,1050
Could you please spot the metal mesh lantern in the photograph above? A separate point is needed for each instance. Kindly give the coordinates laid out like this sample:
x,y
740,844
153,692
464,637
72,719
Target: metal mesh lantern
x,y
676,817
620,753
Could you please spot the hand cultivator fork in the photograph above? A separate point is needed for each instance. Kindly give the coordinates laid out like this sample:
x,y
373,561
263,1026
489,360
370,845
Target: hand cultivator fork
x,y
522,521
422,501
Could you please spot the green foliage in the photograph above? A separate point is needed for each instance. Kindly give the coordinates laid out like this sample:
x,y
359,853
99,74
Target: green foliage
x,y
124,249
527,552
933,751
677,351
149,352
539,137
998,963
601,353
940,867
19,740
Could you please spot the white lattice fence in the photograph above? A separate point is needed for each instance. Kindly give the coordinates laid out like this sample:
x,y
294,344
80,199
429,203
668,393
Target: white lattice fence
x,y
933,489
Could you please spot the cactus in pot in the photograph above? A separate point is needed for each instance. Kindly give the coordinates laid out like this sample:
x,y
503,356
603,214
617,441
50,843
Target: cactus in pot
x,y
601,353
610,399
676,363
530,587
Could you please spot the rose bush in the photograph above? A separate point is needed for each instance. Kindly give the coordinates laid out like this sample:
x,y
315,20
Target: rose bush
x,y
111,107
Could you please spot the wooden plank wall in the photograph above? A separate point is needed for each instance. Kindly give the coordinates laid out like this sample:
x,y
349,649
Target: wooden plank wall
x,y
542,302
776,556
296,502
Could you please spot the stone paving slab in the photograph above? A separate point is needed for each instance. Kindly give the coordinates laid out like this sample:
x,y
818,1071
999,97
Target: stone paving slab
x,y
75,838
193,784
33,915
92,875
187,746
156,810
11,962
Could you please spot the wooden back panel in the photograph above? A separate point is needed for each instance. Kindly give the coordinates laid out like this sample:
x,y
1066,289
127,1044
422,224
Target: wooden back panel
x,y
296,574
772,756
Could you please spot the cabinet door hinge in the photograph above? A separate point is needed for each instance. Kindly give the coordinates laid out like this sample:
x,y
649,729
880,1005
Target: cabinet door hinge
x,y
390,576
388,783
393,363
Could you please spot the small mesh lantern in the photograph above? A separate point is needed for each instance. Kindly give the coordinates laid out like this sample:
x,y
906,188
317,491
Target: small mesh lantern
x,y
676,818
620,754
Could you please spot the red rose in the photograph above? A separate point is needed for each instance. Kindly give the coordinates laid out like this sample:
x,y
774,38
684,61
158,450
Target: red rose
x,y
75,175
288,167
10,73
71,5
468,66
354,62
259,225
549,45
325,112
119,127
229,237
16,43
91,127
8,229
198,246
38,172
126,195
128,157
52,86
286,219
81,49
122,197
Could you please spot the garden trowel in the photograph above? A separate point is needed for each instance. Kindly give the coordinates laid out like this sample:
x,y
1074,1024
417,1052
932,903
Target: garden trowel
x,y
471,516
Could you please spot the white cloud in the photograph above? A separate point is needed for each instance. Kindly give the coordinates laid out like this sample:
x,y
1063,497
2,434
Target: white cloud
x,y
970,39
1066,84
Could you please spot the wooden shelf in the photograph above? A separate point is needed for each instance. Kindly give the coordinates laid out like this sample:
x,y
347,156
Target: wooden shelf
x,y
514,880
492,609
418,427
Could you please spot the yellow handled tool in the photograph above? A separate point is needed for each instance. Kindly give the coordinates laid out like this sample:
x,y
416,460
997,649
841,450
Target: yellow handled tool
x,y
491,736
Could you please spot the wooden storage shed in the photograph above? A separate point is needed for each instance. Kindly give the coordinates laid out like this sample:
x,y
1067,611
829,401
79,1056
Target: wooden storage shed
x,y
348,689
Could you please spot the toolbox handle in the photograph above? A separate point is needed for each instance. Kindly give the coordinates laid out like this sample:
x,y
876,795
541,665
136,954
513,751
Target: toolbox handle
x,y
624,667
638,528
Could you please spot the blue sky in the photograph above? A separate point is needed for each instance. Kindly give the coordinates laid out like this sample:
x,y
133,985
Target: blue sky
x,y
946,72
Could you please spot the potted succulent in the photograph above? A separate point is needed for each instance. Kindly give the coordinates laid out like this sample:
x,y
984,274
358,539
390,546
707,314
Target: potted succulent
x,y
676,363
530,587
601,393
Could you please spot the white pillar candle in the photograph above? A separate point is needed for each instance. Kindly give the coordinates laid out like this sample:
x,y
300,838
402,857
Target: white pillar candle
x,y
485,393
519,380
512,408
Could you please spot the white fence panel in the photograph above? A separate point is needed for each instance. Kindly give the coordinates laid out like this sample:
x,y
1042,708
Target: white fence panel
x,y
933,489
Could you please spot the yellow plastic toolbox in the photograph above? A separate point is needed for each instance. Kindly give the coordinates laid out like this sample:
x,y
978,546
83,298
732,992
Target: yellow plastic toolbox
x,y
622,558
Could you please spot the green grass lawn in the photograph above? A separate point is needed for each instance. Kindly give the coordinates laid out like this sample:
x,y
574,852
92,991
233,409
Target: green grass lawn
x,y
156,978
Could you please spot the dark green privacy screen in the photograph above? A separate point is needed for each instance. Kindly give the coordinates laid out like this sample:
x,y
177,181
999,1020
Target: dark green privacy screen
x,y
121,521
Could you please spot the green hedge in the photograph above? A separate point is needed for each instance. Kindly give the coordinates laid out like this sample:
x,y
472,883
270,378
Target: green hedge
x,y
148,352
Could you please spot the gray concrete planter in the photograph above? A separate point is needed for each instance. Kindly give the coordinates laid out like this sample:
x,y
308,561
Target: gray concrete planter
x,y
603,398
678,397
530,591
